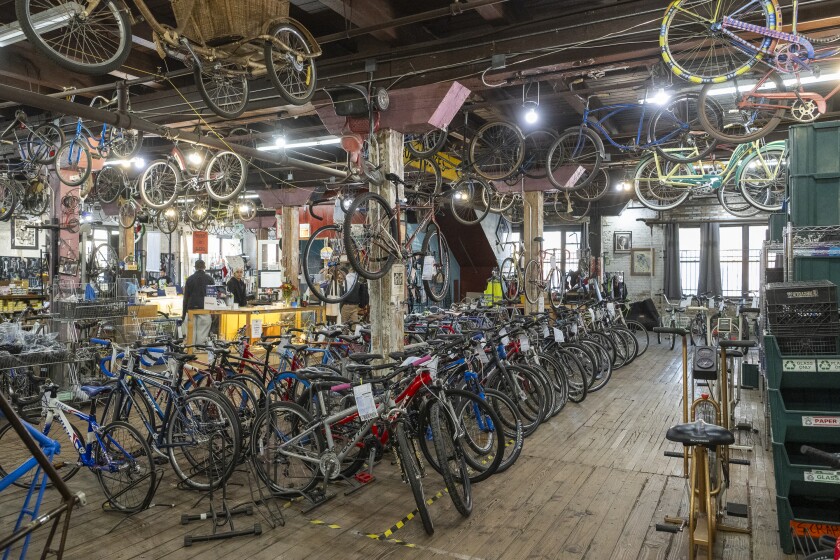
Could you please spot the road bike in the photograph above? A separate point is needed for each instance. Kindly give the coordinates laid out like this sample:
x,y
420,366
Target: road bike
x,y
758,170
673,132
673,318
714,41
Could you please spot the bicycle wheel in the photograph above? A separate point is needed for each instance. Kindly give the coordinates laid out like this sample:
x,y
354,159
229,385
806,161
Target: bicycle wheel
x,y
370,236
596,189
672,338
42,144
533,288
323,269
426,144
8,198
159,184
676,130
497,150
511,423
125,467
604,364
697,331
526,391
629,341
276,453
89,42
763,176
422,177
556,289
435,246
72,162
242,398
468,201
124,143
204,440
292,72
225,176
109,184
450,457
734,202
509,279
223,86
575,372
655,192
554,370
746,114
577,147
641,334
537,145
128,214
37,197
691,27
514,212
409,461
483,441
15,453
498,202
570,208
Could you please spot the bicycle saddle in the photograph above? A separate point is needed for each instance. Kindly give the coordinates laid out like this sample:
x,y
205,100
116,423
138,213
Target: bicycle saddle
x,y
734,354
312,374
93,390
700,433
179,357
539,239
361,358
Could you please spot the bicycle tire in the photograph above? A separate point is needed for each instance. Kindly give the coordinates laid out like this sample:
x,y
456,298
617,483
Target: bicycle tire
x,y
91,30
450,457
73,162
46,138
225,176
131,486
333,288
245,404
202,409
641,334
371,252
725,71
109,184
468,202
8,199
652,191
697,331
160,184
733,201
509,279
557,377
226,93
511,422
684,139
125,143
410,466
596,189
629,341
604,370
128,214
575,373
294,76
531,403
556,289
732,126
532,281
15,453
762,177
434,245
120,407
427,144
542,378
497,150
579,146
483,441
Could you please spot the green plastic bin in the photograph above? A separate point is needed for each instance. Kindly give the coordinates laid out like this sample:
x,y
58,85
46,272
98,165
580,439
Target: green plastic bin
x,y
821,510
805,415
815,201
795,473
814,148
777,225
799,372
817,268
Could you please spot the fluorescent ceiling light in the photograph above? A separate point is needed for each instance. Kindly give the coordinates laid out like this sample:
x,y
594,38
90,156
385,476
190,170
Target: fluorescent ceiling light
x,y
833,77
48,20
326,141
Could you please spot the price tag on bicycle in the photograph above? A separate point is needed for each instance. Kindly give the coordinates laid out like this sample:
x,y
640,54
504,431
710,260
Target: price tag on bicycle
x,y
482,355
256,328
505,339
553,260
433,367
558,336
546,331
711,304
540,305
591,314
574,328
611,309
428,267
364,401
358,330
524,343
722,306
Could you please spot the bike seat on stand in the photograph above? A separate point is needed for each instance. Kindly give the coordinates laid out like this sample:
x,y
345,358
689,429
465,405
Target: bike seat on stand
x,y
179,357
700,433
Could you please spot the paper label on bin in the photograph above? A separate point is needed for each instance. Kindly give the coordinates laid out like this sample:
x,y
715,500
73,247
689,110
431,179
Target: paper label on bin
x,y
821,421
799,365
828,365
831,477
364,401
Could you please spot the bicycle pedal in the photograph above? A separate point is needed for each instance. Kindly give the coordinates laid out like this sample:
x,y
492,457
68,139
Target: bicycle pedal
x,y
739,461
737,510
676,454
668,528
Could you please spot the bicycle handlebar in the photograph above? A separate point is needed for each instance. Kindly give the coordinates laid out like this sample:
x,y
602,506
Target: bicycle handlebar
x,y
737,343
670,330
824,457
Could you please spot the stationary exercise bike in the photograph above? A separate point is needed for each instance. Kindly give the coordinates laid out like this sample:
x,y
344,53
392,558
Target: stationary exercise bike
x,y
706,438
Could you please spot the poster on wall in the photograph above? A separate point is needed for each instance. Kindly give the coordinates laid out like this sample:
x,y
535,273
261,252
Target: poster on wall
x,y
200,240
622,241
23,237
641,262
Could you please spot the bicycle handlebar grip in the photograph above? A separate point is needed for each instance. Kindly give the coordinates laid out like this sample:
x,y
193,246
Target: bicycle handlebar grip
x,y
340,387
737,343
670,330
825,457
101,341
749,310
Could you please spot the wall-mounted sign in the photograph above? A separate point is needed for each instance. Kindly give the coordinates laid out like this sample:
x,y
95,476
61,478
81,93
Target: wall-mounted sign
x,y
200,243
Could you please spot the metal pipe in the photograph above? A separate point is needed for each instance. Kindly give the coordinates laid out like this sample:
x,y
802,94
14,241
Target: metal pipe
x,y
454,8
650,222
125,120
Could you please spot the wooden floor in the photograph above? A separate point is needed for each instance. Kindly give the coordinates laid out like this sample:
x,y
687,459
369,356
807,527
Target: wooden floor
x,y
590,484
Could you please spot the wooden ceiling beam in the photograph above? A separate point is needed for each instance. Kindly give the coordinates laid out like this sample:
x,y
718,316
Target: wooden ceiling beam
x,y
365,14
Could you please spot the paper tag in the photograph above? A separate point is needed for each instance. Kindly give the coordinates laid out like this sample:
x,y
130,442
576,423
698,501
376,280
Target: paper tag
x,y
540,304
256,328
722,306
574,328
505,339
754,303
711,304
432,366
524,343
170,291
428,267
364,401
546,331
482,355
558,336
211,356
611,308
358,330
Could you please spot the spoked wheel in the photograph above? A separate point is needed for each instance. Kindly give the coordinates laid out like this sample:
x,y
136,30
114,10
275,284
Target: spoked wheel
x,y
167,220
42,144
426,144
533,282
223,86
292,71
422,178
126,468
468,201
596,189
676,130
103,260
537,145
497,150
435,246
556,289
655,192
37,196
763,176
734,202
159,184
641,334
409,459
72,162
225,176
450,457
8,198
570,208
745,114
110,182
370,236
125,143
94,42
509,277
498,201
128,214
323,268
575,148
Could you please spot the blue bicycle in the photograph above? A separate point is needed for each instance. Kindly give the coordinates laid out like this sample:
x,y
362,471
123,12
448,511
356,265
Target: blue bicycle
x,y
674,131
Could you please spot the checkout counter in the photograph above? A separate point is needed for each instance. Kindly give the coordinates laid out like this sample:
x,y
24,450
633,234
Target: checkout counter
x,y
259,319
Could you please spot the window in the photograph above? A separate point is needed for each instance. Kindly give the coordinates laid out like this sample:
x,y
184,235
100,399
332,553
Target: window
x,y
689,259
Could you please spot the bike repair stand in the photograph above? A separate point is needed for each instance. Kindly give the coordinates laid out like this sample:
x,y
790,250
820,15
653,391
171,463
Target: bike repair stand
x,y
316,497
362,479
223,517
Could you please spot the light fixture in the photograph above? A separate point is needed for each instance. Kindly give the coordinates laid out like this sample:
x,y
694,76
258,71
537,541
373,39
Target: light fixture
x,y
325,141
660,98
622,186
87,216
139,163
170,212
280,141
530,106
43,22
195,158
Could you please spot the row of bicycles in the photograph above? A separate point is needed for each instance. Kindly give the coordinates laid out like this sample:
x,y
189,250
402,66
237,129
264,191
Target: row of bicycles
x,y
708,319
312,407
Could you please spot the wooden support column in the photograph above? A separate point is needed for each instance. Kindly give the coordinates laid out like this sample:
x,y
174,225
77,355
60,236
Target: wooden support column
x,y
291,244
532,227
386,295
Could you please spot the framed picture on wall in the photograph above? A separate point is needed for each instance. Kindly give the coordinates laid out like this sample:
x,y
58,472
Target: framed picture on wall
x,y
641,262
23,237
622,241
502,230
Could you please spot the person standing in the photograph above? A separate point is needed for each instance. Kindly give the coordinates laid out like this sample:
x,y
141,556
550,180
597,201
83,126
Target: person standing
x,y
195,289
357,299
236,288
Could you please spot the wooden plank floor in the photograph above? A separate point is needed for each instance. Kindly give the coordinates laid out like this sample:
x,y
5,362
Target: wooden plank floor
x,y
590,484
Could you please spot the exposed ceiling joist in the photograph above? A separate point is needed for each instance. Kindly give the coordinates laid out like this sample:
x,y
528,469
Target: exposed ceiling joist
x,y
365,14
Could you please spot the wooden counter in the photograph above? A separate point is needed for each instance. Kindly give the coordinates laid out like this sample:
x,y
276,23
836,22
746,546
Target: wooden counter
x,y
231,320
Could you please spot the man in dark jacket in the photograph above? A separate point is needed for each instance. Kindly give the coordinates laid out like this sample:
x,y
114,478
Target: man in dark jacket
x,y
195,289
236,288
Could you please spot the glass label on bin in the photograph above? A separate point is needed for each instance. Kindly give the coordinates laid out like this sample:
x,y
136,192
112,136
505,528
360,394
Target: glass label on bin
x,y
832,477
821,421
799,365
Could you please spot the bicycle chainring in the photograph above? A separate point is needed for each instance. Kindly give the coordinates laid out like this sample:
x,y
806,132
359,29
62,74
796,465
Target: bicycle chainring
x,y
330,465
804,110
